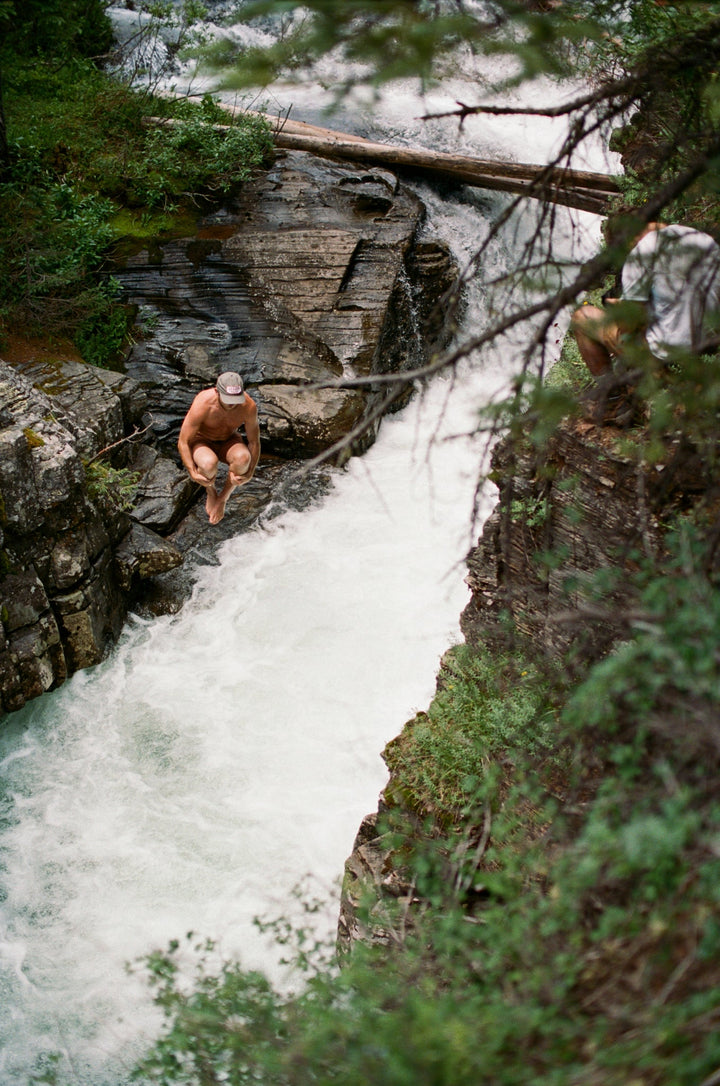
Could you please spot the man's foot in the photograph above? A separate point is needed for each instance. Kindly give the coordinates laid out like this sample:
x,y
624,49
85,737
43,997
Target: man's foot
x,y
611,401
211,503
218,510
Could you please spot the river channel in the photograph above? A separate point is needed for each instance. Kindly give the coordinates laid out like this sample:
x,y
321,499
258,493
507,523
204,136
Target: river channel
x,y
221,757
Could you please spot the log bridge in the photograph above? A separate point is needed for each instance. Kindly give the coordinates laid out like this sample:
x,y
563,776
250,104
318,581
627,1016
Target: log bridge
x,y
572,188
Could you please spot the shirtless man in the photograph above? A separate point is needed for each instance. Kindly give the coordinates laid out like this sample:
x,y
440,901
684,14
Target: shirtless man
x,y
210,434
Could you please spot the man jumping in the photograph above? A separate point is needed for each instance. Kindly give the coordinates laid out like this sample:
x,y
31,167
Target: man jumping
x,y
210,433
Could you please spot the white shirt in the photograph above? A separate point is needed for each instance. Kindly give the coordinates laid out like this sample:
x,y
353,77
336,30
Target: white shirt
x,y
675,271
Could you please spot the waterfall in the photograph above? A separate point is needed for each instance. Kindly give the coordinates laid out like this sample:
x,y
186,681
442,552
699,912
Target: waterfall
x,y
223,756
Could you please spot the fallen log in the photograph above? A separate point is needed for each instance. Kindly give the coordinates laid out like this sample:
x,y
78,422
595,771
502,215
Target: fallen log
x,y
559,186
580,189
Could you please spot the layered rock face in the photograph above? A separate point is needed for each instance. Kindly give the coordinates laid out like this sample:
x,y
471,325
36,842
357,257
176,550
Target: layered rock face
x,y
61,602
584,504
312,277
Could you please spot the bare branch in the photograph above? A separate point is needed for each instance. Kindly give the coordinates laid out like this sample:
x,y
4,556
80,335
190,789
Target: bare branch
x,y
123,440
620,87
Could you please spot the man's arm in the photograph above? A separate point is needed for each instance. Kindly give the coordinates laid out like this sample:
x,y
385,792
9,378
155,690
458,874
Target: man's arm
x,y
252,433
188,433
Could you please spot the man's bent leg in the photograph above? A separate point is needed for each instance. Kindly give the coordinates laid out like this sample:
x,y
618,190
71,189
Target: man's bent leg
x,y
592,330
207,462
238,460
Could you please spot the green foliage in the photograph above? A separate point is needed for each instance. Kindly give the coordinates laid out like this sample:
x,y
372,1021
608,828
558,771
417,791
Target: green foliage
x,y
533,512
79,152
113,488
103,332
34,440
533,409
54,28
670,667
212,1023
676,119
484,705
66,234
628,30
194,157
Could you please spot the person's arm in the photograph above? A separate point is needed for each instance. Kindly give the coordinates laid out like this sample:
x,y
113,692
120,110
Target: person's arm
x,y
252,433
188,433
638,269
629,310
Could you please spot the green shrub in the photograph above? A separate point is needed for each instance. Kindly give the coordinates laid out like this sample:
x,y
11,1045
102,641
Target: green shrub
x,y
81,153
193,157
113,488
102,334
485,704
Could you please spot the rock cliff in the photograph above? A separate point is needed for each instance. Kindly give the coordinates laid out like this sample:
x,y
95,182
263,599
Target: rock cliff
x,y
314,275
583,504
310,278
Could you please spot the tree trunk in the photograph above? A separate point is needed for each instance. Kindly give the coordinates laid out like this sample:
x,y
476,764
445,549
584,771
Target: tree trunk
x,y
573,188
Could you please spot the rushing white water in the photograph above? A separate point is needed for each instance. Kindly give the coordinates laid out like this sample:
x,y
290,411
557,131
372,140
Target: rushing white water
x,y
220,756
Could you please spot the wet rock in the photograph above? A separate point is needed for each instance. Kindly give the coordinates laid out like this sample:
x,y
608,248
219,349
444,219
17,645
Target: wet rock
x,y
298,421
165,491
306,280
276,487
143,554
313,277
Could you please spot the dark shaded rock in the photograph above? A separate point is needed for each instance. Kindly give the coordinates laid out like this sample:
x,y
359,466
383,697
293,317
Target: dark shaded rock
x,y
91,616
25,601
276,487
142,554
371,871
587,502
59,597
165,491
31,655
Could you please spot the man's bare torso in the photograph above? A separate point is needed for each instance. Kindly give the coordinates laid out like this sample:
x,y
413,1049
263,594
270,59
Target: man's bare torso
x,y
215,422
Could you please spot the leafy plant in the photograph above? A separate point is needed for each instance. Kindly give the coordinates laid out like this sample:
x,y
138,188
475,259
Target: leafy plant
x,y
79,151
194,157
485,704
113,488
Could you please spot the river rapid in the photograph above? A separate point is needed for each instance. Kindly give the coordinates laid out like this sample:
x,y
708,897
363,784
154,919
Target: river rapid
x,y
224,756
